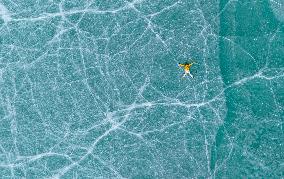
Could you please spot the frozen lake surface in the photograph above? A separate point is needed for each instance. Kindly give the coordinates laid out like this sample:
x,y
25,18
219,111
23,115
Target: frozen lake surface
x,y
92,89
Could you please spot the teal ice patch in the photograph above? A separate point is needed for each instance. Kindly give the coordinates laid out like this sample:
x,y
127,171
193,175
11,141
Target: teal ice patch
x,y
92,89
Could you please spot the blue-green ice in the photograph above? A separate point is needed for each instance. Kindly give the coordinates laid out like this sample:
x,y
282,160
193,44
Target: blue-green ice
x,y
91,89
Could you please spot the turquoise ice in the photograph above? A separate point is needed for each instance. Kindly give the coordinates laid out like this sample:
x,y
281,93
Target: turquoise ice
x,y
91,89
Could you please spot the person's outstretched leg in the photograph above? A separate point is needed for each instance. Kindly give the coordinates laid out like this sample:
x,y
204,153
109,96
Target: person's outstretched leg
x,y
190,74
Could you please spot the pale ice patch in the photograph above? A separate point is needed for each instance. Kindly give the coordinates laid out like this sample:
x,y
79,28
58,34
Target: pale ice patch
x,y
278,9
5,14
